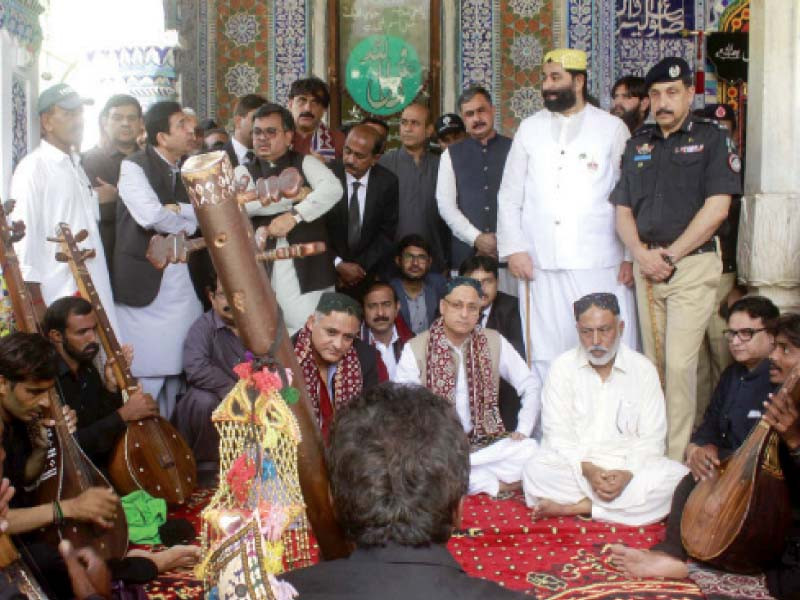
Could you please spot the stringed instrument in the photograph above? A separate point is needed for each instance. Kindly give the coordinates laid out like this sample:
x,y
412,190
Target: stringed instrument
x,y
68,472
151,455
737,520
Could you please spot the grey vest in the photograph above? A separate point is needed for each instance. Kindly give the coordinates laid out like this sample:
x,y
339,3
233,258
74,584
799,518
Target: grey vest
x,y
478,170
135,281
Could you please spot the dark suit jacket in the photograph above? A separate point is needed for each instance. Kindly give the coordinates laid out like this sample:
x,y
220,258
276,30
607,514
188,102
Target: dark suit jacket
x,y
394,572
378,223
432,287
228,147
504,317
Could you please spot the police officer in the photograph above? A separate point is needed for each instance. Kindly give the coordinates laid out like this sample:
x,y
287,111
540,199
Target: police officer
x,y
674,192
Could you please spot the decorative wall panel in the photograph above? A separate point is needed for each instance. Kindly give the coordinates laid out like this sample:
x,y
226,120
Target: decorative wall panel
x,y
19,121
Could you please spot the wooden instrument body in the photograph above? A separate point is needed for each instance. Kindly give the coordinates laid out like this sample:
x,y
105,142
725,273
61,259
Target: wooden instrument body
x,y
151,455
68,472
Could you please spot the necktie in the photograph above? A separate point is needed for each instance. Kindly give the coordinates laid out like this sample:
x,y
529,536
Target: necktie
x,y
354,219
249,156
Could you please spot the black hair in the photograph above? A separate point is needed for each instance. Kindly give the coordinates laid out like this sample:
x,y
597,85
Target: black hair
x,y
636,86
156,119
413,239
480,262
118,100
248,103
270,108
312,86
374,285
756,307
398,463
585,89
375,121
472,91
59,312
602,300
788,325
27,356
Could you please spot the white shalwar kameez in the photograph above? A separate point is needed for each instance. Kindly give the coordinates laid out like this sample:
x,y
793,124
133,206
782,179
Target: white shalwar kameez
x,y
503,460
619,423
553,204
157,331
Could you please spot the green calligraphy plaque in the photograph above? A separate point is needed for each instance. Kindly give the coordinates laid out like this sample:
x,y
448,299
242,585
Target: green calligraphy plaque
x,y
383,74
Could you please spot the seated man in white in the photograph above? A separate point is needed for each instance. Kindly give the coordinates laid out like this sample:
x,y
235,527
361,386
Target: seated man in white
x,y
463,362
604,429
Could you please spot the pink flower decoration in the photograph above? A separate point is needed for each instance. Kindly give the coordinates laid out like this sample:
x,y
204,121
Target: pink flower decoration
x,y
273,521
267,381
240,476
244,370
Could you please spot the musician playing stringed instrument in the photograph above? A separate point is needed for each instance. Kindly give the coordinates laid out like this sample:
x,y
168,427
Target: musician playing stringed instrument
x,y
766,355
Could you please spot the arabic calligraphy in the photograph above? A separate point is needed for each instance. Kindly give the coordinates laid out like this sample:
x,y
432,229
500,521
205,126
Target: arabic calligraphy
x,y
650,18
394,20
730,52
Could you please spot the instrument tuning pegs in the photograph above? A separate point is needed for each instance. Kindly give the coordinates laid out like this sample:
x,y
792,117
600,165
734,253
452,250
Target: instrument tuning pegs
x,y
61,257
81,235
88,253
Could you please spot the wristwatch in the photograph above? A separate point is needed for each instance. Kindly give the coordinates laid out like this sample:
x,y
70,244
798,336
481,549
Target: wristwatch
x,y
298,218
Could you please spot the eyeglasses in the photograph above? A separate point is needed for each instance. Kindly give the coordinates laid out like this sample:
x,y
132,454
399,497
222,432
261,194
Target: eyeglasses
x,y
408,257
268,132
472,309
746,334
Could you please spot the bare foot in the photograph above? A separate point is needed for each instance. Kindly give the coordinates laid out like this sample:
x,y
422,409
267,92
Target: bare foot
x,y
547,508
510,487
634,562
176,557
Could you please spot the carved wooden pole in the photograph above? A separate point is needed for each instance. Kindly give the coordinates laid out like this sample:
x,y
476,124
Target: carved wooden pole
x,y
230,240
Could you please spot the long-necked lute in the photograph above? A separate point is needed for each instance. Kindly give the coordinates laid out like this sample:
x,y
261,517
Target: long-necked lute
x,y
151,455
737,520
68,472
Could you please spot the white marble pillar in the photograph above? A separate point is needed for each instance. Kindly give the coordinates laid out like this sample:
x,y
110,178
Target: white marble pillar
x,y
769,230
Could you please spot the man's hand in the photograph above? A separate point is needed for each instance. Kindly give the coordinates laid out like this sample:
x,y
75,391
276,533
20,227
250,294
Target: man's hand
x,y
281,226
616,482
625,276
71,419
105,191
108,370
6,493
173,208
520,265
138,406
88,572
350,273
518,435
653,265
702,460
782,414
486,243
96,505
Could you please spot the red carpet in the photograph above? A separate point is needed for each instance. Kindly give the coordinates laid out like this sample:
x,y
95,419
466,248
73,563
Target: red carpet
x,y
561,558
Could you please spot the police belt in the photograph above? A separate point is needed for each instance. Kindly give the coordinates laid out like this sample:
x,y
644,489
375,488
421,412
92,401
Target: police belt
x,y
709,246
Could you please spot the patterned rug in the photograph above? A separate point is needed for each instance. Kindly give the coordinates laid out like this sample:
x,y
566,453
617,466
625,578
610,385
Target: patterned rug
x,y
556,559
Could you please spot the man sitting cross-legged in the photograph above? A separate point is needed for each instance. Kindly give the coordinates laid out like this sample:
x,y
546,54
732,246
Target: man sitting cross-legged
x,y
398,465
460,360
765,352
604,428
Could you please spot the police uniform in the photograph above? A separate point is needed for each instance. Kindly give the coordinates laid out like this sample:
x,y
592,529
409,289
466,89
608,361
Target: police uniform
x,y
665,182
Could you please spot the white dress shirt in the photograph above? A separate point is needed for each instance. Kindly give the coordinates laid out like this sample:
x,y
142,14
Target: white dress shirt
x,y
50,187
553,200
386,352
362,192
240,149
447,200
512,368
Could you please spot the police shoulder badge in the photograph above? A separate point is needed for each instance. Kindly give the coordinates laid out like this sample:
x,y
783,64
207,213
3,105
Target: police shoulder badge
x,y
720,112
734,162
674,71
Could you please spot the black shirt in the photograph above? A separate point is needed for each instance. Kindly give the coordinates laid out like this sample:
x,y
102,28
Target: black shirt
x,y
105,164
18,447
99,423
665,182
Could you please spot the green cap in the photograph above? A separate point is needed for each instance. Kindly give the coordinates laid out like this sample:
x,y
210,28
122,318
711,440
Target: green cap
x,y
60,95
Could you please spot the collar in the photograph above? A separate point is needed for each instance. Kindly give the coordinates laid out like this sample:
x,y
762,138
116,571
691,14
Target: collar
x,y
173,166
395,337
685,127
217,321
364,181
435,554
56,155
576,115
761,370
489,142
238,147
64,370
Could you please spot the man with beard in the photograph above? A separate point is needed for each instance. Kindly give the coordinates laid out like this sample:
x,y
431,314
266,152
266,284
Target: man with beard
x,y
469,178
766,352
555,224
604,427
120,123
673,194
463,362
629,101
418,288
70,325
308,100
336,365
384,327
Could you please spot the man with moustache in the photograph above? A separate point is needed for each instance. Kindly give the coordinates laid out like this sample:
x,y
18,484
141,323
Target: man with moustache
x,y
384,327
469,179
70,324
418,289
673,194
50,187
121,123
308,100
417,168
336,365
463,362
604,427
629,101
555,224
156,307
240,147
298,283
766,352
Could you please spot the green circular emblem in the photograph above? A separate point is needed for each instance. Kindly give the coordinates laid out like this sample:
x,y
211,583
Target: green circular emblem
x,y
383,74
